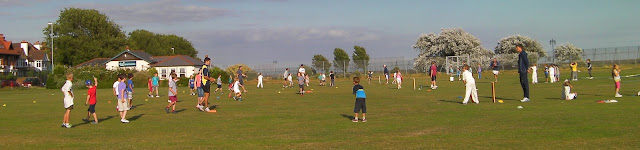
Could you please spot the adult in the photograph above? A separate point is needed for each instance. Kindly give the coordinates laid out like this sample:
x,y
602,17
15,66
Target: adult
x,y
386,74
589,68
240,75
206,84
284,76
495,66
523,69
433,72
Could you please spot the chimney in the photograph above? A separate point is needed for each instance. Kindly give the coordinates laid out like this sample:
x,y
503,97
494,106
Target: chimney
x,y
2,38
25,47
37,45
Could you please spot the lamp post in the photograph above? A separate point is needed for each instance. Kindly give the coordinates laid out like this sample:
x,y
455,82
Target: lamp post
x,y
51,36
553,47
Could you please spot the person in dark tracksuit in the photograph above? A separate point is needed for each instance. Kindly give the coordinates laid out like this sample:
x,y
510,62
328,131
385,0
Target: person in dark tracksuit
x,y
523,69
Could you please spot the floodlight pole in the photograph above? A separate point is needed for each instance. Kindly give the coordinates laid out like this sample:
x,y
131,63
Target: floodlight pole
x,y
553,47
51,36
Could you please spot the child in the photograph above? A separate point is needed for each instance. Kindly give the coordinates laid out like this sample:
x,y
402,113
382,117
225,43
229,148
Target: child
x,y
546,73
332,77
574,71
219,83
236,90
566,94
200,90
320,79
361,104
150,85
155,79
324,80
615,72
370,76
451,71
122,107
470,86
260,85
91,100
67,91
398,78
301,83
557,69
458,74
395,75
552,73
290,80
192,86
173,94
479,71
589,68
534,74
130,90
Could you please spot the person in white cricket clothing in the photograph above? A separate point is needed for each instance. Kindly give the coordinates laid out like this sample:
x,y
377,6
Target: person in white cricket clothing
x,y
534,74
552,73
470,86
260,85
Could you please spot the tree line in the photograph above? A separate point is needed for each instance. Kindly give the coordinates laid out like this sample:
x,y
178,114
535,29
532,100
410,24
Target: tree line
x,y
341,59
80,35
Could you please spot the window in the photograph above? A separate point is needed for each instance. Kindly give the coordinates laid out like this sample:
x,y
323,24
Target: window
x,y
164,73
38,64
183,72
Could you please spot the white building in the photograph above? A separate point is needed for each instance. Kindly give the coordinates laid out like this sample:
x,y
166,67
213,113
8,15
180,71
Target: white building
x,y
184,66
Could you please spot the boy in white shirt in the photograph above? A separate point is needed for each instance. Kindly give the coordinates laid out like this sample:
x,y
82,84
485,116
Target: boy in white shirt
x,y
552,73
470,86
260,85
236,90
67,91
290,79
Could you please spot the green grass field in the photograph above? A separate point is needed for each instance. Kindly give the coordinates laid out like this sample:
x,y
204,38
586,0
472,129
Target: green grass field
x,y
397,119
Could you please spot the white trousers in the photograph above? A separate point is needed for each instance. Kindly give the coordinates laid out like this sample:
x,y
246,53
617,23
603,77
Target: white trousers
x,y
470,91
534,76
260,85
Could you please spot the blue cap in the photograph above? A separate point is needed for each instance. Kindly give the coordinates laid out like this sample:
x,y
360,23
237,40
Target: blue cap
x,y
87,82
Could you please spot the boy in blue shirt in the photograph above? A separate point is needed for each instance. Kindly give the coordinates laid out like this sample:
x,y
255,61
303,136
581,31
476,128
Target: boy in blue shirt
x,y
192,85
358,90
130,89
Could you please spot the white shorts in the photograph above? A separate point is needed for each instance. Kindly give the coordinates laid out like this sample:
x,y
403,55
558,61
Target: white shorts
x,y
123,106
496,72
236,90
68,102
386,76
398,80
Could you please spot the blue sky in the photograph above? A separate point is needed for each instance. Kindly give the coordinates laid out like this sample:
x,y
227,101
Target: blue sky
x,y
288,31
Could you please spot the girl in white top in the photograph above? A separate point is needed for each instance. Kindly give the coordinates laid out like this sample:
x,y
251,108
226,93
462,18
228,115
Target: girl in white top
x,y
470,86
398,76
567,95
67,91
534,74
290,79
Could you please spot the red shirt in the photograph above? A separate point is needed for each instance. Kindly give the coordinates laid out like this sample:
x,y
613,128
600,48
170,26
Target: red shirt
x,y
434,70
92,95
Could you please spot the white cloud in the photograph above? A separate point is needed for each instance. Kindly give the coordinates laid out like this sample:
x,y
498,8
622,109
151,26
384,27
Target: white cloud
x,y
165,11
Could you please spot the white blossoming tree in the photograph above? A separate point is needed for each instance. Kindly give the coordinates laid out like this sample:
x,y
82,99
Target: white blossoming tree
x,y
507,47
568,51
450,42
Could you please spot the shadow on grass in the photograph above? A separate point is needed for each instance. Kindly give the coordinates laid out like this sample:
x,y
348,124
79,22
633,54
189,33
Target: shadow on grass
x,y
213,106
347,116
136,117
489,97
99,120
457,102
181,110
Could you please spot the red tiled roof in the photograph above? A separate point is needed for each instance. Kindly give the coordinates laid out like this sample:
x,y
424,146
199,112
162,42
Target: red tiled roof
x,y
8,49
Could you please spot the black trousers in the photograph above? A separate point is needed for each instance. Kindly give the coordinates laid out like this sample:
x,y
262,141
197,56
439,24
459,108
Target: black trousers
x,y
524,82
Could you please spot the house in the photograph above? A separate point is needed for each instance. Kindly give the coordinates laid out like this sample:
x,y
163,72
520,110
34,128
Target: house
x,y
20,58
183,65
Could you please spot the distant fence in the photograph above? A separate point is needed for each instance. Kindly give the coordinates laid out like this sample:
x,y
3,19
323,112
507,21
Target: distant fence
x,y
599,57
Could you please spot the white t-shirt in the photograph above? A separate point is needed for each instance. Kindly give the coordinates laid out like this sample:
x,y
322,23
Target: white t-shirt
x,y
260,78
236,87
468,77
115,86
324,77
290,78
68,99
301,70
